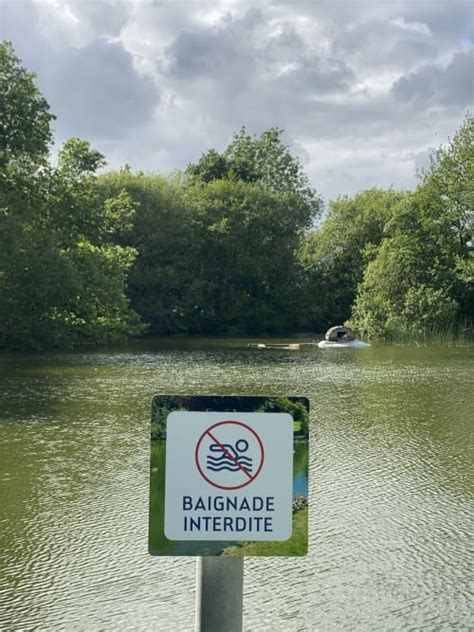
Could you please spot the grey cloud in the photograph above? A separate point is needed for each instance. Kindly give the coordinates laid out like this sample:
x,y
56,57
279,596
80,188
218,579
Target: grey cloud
x,y
315,76
241,55
95,92
393,34
389,43
421,159
195,54
104,18
295,64
18,24
292,65
450,21
434,85
213,51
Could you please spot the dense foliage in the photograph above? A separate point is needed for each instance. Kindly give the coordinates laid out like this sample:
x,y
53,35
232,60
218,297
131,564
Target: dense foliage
x,y
334,257
214,257
421,278
62,277
227,246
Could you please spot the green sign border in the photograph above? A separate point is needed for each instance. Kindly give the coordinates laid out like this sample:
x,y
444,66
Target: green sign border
x,y
162,406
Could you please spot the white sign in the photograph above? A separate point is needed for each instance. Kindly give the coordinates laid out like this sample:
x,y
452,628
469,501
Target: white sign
x,y
229,476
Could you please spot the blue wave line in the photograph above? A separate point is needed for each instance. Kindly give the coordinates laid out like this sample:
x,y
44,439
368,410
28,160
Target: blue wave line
x,y
218,458
225,467
218,461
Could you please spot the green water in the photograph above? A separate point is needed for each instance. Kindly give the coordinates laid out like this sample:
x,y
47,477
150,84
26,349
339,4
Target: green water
x,y
391,488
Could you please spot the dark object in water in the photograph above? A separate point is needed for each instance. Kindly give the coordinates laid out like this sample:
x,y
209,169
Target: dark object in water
x,y
339,334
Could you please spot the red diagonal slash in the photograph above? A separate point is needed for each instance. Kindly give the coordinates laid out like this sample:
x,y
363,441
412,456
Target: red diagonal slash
x,y
228,454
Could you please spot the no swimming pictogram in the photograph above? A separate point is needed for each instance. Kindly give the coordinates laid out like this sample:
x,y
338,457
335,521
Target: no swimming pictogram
x,y
228,475
229,455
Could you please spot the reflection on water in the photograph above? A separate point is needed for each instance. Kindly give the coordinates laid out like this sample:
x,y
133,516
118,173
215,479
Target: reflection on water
x,y
390,492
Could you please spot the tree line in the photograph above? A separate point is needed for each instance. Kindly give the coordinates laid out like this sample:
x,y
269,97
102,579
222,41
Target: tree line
x,y
236,243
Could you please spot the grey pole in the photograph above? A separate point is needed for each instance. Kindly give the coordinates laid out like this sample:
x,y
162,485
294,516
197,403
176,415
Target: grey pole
x,y
219,594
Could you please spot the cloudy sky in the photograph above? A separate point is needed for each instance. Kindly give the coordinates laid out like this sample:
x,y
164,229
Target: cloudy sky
x,y
363,90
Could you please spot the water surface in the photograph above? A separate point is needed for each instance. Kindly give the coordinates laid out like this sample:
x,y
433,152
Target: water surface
x,y
391,488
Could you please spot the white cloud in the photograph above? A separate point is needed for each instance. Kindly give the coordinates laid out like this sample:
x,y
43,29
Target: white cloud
x,y
363,89
78,23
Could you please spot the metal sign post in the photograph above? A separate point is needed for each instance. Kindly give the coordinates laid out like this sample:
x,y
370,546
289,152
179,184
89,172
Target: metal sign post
x,y
219,594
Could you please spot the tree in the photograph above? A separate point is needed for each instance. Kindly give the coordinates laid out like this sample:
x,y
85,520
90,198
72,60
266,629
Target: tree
x,y
421,277
217,246
27,253
335,255
449,186
25,132
213,257
86,228
412,284
163,285
77,160
450,183
246,265
264,159
253,203
62,278
211,166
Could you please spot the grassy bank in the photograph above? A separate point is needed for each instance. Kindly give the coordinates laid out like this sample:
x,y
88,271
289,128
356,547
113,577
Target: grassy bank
x,y
449,335
296,545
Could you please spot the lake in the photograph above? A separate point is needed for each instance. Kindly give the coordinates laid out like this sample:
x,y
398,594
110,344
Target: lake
x,y
391,487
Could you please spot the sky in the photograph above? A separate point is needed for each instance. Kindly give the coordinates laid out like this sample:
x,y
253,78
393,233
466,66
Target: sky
x,y
364,90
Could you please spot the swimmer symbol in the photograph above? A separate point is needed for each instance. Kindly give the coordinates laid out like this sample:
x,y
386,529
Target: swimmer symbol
x,y
229,457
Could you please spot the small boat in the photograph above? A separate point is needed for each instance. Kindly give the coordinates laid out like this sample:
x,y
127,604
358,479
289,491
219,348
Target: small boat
x,y
341,338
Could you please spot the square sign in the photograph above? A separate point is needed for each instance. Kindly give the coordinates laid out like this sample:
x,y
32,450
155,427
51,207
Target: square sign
x,y
224,478
229,475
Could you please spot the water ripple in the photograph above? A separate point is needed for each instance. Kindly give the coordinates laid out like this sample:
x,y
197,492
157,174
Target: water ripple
x,y
391,489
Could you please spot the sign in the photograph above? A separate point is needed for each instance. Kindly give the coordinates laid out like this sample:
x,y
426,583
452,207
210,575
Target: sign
x,y
228,478
228,474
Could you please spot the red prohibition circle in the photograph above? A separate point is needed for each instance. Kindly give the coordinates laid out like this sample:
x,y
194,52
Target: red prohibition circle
x,y
223,423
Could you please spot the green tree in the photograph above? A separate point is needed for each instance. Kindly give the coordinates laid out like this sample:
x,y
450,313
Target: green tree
x,y
252,204
62,278
164,284
214,256
335,255
211,166
421,277
25,132
27,254
247,267
449,182
264,159
415,280
217,246
87,226
408,286
449,186
77,160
